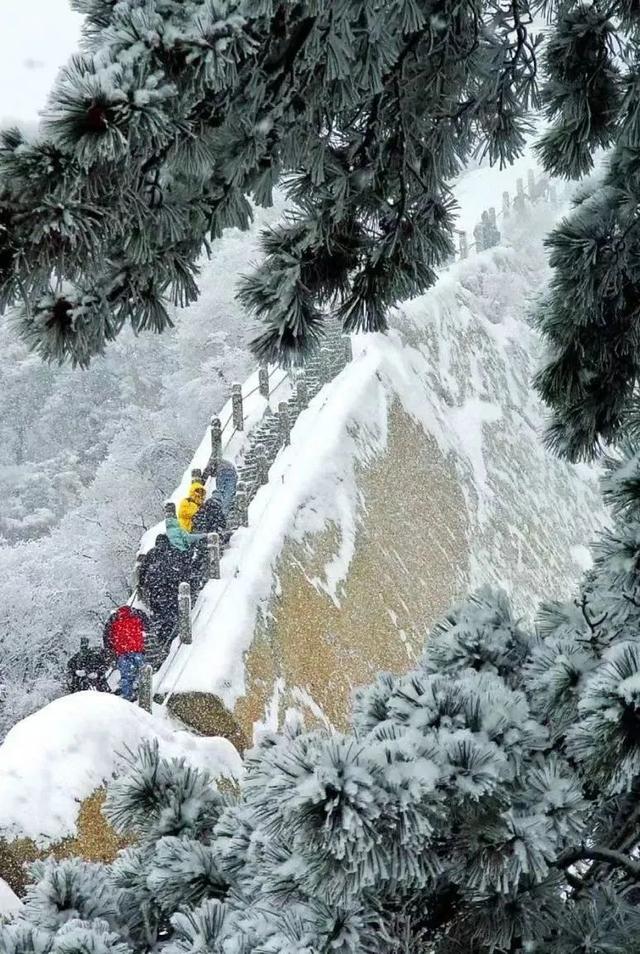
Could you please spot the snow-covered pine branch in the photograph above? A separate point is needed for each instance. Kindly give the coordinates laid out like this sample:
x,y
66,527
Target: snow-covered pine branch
x,y
176,115
450,817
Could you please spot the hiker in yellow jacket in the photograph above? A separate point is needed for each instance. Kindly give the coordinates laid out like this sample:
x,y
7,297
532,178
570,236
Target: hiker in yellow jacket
x,y
190,505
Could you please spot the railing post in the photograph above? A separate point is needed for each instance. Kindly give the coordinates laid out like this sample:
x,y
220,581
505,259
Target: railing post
x,y
324,364
302,395
463,244
348,350
262,465
531,185
236,407
506,205
242,509
518,202
479,234
283,421
263,381
216,444
184,613
492,234
213,555
136,572
145,684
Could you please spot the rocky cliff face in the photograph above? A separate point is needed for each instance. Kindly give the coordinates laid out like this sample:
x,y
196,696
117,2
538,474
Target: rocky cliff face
x,y
416,475
330,626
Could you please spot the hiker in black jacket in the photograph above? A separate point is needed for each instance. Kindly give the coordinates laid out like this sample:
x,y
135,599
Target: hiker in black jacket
x,y
209,519
162,570
88,669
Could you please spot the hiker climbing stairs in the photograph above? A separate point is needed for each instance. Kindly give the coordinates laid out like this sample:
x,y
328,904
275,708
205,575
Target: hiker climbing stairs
x,y
255,437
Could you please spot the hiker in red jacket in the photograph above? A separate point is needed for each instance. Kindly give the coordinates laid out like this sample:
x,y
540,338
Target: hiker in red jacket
x,y
124,635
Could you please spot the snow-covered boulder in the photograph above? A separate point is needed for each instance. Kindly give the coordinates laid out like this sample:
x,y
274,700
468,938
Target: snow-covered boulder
x,y
54,759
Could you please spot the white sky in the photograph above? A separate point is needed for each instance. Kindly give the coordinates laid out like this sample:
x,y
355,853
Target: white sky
x,y
36,38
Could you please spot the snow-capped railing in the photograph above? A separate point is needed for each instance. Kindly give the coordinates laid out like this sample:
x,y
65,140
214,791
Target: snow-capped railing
x,y
486,232
266,429
270,432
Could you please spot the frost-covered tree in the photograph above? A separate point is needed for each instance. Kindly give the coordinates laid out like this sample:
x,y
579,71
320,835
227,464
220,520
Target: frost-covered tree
x,y
177,114
590,316
87,462
463,811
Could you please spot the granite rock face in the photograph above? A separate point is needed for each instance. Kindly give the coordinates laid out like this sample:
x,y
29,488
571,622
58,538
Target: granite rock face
x,y
418,474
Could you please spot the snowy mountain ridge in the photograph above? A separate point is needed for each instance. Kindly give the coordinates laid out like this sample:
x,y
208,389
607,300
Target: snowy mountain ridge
x,y
458,364
417,473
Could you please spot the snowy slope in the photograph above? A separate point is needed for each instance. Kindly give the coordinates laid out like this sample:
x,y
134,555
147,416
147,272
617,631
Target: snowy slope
x,y
488,505
57,757
417,473
9,903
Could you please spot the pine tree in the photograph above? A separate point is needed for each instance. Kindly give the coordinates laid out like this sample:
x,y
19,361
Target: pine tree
x,y
178,114
484,802
590,316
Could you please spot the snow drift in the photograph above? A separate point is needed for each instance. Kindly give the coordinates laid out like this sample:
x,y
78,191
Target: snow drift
x,y
58,756
9,903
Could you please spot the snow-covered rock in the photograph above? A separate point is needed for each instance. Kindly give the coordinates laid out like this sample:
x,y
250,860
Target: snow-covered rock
x,y
419,473
9,902
58,756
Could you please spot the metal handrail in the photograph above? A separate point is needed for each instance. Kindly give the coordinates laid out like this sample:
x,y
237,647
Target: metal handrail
x,y
285,376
